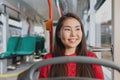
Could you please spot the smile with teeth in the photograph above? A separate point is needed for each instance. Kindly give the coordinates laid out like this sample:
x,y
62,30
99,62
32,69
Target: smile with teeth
x,y
72,40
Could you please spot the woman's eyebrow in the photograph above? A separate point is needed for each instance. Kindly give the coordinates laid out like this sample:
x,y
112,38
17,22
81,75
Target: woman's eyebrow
x,y
71,26
66,26
77,26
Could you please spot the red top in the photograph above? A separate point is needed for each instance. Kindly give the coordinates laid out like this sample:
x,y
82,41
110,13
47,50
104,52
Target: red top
x,y
72,68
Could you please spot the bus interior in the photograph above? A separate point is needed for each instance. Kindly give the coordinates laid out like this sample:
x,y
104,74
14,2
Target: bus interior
x,y
27,29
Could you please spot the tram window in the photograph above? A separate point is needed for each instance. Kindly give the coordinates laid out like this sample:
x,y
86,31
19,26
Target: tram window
x,y
106,28
14,23
14,31
14,27
39,30
106,37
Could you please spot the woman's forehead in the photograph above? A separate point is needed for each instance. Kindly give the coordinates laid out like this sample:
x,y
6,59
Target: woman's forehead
x,y
71,22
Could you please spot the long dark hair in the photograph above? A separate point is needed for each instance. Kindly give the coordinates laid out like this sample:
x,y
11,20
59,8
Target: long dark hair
x,y
57,70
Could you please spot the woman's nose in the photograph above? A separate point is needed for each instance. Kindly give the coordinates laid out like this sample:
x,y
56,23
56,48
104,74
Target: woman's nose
x,y
73,32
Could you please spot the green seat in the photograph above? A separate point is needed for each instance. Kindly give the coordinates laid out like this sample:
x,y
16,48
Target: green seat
x,y
11,46
40,42
27,46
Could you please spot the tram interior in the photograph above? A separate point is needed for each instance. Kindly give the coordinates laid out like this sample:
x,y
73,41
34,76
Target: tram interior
x,y
26,21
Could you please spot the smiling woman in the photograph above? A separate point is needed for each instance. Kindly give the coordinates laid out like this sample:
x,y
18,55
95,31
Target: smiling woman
x,y
70,34
102,32
70,41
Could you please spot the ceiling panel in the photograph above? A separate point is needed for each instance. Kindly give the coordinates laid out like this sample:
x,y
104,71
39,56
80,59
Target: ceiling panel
x,y
41,6
40,9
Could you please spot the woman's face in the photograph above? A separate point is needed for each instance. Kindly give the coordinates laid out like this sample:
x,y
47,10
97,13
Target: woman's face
x,y
71,33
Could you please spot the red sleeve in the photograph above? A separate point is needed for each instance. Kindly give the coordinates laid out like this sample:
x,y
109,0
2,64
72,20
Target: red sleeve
x,y
97,68
44,70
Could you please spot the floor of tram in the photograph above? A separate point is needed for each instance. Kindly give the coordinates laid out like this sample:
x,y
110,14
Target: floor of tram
x,y
12,74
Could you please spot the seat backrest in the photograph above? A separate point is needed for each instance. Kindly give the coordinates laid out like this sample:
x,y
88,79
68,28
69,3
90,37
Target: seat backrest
x,y
27,45
12,43
40,42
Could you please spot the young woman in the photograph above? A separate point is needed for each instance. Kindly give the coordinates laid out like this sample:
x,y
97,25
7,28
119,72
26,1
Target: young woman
x,y
70,41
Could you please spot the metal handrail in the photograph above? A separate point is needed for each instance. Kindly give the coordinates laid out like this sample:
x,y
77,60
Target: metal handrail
x,y
99,49
77,59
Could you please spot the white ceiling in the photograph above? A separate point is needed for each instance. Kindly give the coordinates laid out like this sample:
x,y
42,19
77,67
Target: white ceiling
x,y
41,8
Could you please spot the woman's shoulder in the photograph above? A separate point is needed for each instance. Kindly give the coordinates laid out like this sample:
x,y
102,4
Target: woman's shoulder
x,y
47,56
91,54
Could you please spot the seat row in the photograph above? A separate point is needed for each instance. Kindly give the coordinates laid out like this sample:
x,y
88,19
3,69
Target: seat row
x,y
22,46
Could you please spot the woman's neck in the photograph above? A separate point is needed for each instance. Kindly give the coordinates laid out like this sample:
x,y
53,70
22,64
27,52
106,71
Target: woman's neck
x,y
69,51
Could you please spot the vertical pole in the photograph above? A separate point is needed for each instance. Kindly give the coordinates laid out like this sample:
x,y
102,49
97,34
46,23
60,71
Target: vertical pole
x,y
5,30
92,23
116,35
3,62
51,30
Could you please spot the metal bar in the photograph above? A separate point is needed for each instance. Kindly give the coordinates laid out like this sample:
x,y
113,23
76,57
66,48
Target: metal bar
x,y
100,50
11,8
77,59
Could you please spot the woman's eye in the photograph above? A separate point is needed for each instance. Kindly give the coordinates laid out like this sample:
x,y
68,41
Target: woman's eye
x,y
78,29
67,29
